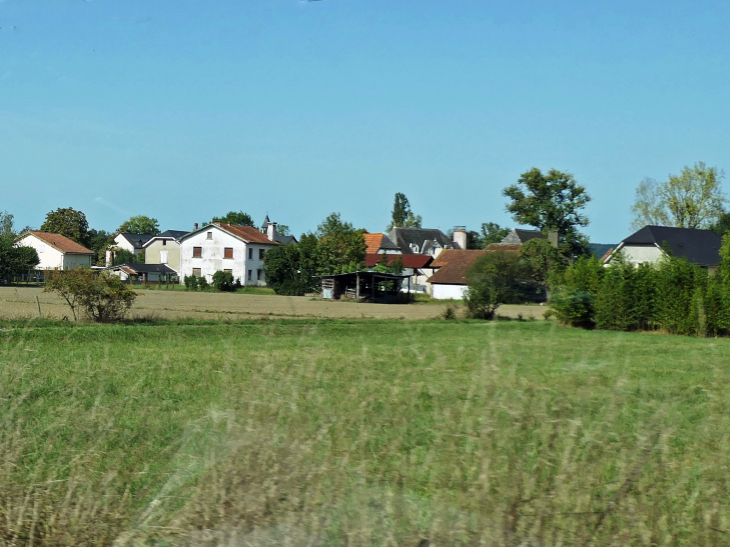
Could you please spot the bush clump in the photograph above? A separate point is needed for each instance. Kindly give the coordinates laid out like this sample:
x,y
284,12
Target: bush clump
x,y
103,298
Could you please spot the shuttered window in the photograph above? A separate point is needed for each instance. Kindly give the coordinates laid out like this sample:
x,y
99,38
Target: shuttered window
x,y
196,272
228,252
197,252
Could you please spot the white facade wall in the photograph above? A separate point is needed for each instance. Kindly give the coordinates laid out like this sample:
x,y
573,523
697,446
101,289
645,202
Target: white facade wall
x,y
212,253
642,254
51,258
446,292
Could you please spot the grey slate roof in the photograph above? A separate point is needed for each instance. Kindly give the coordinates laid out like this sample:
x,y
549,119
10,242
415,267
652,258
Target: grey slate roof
x,y
423,237
700,247
285,240
518,236
137,240
175,234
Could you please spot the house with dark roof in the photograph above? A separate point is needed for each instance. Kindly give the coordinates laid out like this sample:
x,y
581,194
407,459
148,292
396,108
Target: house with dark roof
x,y
449,281
425,241
517,236
134,243
380,244
57,252
164,249
651,243
227,247
270,227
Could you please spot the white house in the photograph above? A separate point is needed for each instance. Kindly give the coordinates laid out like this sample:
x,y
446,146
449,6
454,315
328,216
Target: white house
x,y
57,252
134,243
449,281
228,247
651,243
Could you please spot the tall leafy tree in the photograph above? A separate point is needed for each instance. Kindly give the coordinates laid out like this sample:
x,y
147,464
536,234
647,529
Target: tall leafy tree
x,y
692,199
341,247
140,224
290,269
99,242
68,222
551,201
238,218
402,216
14,260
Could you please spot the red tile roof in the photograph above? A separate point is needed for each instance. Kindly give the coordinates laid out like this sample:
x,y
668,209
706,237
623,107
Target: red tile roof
x,y
247,233
373,242
409,261
62,243
454,265
508,247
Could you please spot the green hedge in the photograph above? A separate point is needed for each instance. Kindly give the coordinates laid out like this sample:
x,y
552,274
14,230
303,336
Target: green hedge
x,y
675,296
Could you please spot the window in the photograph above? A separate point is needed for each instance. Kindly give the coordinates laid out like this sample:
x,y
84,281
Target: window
x,y
210,235
249,275
197,252
250,253
196,272
164,242
259,274
261,254
228,252
163,257
229,271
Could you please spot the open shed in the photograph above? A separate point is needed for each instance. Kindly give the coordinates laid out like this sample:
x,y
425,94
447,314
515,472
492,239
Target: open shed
x,y
367,285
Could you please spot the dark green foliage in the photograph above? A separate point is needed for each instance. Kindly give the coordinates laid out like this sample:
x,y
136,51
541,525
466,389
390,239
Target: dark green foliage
x,y
551,201
191,283
627,297
68,222
14,261
290,269
494,279
203,283
676,297
140,224
99,242
341,248
237,218
402,215
123,256
223,281
492,233
574,291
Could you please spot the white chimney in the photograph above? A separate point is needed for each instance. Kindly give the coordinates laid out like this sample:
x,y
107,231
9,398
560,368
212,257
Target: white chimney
x,y
271,231
460,237
109,258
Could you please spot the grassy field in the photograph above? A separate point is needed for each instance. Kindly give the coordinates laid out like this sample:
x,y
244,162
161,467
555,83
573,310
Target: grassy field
x,y
361,432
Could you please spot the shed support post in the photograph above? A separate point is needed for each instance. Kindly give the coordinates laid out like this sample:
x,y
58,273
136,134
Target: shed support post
x,y
357,286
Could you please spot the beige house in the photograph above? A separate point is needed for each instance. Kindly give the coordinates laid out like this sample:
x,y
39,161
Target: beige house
x,y
164,249
57,252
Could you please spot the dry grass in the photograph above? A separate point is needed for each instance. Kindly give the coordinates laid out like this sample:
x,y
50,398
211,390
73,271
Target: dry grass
x,y
20,303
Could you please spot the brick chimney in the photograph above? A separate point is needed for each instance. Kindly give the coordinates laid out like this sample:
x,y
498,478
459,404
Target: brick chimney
x,y
271,231
460,237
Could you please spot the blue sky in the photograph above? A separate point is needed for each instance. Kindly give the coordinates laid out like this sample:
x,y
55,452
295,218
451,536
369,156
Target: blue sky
x,y
182,109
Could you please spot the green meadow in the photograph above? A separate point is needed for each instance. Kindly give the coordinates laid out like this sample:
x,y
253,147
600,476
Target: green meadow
x,y
361,432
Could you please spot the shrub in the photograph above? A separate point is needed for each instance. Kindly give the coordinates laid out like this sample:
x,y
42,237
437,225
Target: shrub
x,y
191,282
101,297
203,283
574,291
493,280
223,281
